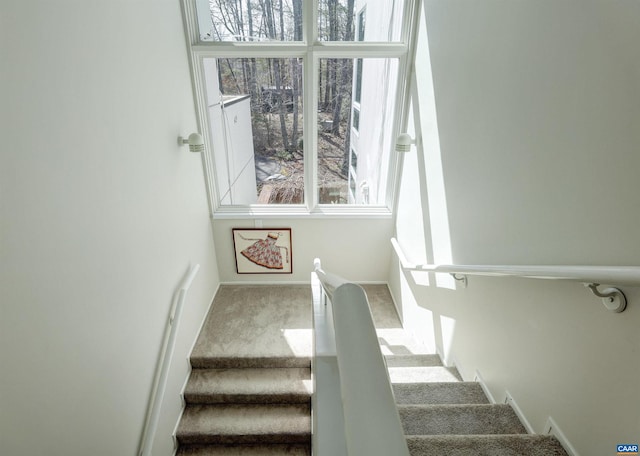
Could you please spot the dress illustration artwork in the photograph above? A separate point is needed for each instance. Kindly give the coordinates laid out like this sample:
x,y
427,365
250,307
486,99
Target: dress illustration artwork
x,y
265,252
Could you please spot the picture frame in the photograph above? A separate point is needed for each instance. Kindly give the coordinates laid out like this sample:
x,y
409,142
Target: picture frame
x,y
263,250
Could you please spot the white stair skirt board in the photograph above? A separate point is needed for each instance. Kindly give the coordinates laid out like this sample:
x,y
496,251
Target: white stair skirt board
x,y
174,434
478,378
523,419
446,415
551,428
249,390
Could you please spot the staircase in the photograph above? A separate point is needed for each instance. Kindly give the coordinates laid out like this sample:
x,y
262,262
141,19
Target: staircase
x,y
249,392
250,388
442,415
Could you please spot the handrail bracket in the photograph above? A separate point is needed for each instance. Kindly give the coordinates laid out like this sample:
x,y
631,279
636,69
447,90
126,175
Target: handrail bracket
x,y
460,278
612,298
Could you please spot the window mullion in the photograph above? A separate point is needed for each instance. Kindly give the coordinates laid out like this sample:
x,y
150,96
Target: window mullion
x,y
310,14
403,98
310,122
247,50
310,133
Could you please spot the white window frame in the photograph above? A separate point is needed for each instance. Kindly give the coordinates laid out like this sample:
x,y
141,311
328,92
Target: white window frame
x,y
311,51
353,180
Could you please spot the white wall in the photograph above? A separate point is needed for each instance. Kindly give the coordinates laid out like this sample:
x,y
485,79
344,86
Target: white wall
x,y
101,216
239,185
231,141
354,248
551,345
536,116
538,101
373,141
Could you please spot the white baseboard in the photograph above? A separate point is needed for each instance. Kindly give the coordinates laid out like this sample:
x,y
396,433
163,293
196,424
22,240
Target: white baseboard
x,y
267,282
478,378
206,314
552,428
451,361
294,282
516,408
189,369
396,304
174,434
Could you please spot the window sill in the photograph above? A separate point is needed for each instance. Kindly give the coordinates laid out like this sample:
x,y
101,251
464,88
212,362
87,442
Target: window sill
x,y
300,211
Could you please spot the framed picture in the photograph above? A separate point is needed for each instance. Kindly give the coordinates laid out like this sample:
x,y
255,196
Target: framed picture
x,y
263,251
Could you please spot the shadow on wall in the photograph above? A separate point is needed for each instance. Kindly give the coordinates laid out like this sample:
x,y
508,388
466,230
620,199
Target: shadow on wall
x,y
431,328
422,214
550,345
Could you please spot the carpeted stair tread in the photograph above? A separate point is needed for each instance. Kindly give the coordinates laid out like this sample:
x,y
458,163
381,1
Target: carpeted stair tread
x,y
245,450
459,419
413,360
485,445
396,341
257,326
245,424
423,374
251,385
439,393
244,362
444,416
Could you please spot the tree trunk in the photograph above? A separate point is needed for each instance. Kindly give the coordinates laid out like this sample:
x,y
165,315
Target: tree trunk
x,y
346,69
347,148
333,63
281,22
268,12
256,102
295,69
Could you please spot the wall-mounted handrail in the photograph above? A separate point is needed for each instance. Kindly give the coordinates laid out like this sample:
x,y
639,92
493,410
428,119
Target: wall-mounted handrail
x,y
371,423
162,373
589,275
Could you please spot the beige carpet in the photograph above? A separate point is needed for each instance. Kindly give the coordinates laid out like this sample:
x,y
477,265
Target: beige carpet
x,y
443,415
250,389
257,326
249,393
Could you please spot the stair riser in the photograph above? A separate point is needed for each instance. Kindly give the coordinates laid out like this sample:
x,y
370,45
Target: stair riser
x,y
460,420
244,363
245,386
413,361
260,439
502,445
439,393
247,399
246,450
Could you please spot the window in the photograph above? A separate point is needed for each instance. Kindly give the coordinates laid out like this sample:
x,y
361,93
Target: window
x,y
355,123
256,129
353,166
352,188
358,77
290,93
361,21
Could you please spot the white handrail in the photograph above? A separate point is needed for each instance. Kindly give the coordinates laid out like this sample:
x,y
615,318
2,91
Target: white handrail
x,y
372,425
162,374
614,275
591,276
328,281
